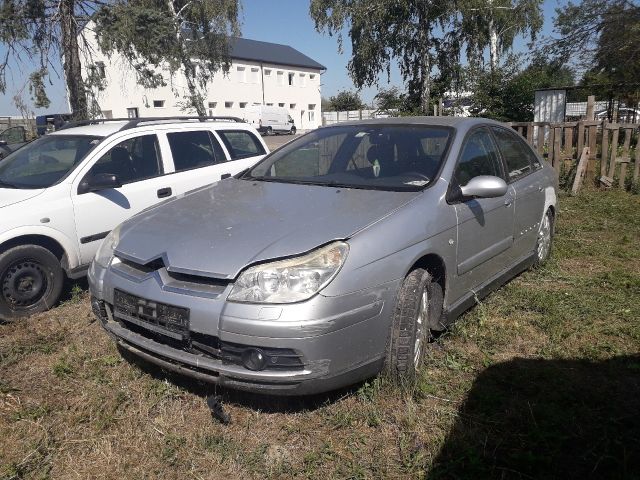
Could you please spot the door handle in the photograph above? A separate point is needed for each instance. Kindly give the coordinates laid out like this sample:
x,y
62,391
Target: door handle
x,y
508,201
225,175
164,192
539,188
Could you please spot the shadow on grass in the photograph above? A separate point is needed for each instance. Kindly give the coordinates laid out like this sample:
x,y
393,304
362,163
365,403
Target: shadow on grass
x,y
548,419
255,401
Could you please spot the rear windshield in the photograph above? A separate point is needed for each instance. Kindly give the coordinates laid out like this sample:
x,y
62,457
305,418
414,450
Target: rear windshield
x,y
397,157
44,161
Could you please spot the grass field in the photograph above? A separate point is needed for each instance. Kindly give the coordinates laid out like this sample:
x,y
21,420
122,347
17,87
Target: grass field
x,y
541,380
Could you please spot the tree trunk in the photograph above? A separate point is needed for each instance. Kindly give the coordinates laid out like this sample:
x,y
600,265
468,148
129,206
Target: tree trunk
x,y
425,67
493,44
71,61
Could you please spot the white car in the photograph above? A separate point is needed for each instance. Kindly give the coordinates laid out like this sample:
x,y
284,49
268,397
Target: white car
x,y
63,193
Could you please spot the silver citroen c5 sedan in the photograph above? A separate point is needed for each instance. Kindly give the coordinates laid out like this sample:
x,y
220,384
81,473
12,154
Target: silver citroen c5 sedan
x,y
331,259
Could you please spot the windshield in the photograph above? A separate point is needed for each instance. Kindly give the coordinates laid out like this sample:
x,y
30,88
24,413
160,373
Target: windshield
x,y
43,162
398,157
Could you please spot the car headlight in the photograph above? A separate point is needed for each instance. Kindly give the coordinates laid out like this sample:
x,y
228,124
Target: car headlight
x,y
105,252
291,280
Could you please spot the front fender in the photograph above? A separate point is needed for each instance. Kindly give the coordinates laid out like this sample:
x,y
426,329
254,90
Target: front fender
x,y
69,245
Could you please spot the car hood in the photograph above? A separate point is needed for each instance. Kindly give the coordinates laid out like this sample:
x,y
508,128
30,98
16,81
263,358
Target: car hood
x,y
220,229
9,196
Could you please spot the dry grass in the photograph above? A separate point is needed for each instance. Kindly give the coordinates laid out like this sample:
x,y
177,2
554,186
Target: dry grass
x,y
539,381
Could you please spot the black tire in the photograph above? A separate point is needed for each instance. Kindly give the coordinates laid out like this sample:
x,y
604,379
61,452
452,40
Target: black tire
x,y
31,281
410,332
269,131
292,131
544,243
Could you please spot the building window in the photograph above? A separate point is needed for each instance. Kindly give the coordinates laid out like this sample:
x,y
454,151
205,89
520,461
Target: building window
x,y
269,104
292,106
303,79
107,113
228,104
312,116
213,104
267,72
281,104
280,78
291,78
312,76
132,112
243,104
158,103
254,75
242,74
312,106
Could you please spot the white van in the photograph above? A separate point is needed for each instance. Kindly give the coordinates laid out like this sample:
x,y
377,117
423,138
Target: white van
x,y
269,120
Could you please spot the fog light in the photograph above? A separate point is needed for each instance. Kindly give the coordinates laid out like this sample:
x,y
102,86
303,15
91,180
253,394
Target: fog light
x,y
254,359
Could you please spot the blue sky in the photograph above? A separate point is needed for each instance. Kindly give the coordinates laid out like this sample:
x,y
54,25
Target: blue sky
x,y
278,21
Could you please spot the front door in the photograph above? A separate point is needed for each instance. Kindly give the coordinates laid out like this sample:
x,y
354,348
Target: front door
x,y
485,225
137,163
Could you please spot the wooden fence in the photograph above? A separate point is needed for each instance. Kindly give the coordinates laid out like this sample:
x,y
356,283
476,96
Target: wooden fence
x,y
610,145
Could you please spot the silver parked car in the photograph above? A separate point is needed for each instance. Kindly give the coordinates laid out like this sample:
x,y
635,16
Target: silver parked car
x,y
332,258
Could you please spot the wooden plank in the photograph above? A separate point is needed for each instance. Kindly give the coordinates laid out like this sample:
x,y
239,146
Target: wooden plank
x,y
625,156
591,107
530,135
556,148
582,168
591,166
541,140
580,137
614,153
568,141
636,170
604,155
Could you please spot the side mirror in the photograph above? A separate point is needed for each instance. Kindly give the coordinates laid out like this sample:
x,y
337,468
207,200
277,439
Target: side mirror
x,y
484,186
96,183
3,143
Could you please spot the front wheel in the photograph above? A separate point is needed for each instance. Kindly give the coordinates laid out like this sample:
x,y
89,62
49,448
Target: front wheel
x,y
292,131
31,281
418,308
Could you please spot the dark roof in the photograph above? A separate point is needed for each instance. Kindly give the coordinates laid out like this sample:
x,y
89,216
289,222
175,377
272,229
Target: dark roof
x,y
254,50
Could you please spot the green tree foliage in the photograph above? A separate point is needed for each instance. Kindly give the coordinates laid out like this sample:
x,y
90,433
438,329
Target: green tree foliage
x,y
496,23
507,93
409,31
344,101
186,36
602,37
41,32
389,99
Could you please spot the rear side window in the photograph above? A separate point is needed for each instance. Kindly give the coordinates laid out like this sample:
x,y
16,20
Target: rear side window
x,y
517,155
241,144
479,157
194,149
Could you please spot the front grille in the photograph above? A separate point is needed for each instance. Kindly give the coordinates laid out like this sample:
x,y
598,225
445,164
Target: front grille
x,y
159,317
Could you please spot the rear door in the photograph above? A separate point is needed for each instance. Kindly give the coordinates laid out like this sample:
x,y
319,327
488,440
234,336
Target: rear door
x,y
524,175
245,149
137,162
485,225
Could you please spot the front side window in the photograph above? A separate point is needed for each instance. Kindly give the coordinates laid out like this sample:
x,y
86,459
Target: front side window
x,y
131,160
194,149
241,144
14,135
479,157
360,156
517,155
44,161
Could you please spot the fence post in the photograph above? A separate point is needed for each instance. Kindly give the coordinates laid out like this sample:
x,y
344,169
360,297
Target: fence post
x,y
530,134
605,149
614,153
556,148
591,105
540,140
580,171
625,157
580,138
568,141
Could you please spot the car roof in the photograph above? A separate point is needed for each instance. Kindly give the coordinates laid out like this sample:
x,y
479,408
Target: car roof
x,y
108,127
455,122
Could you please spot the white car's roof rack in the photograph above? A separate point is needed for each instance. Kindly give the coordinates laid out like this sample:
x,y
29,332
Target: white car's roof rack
x,y
134,122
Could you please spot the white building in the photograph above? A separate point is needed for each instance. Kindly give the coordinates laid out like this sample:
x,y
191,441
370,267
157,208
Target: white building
x,y
261,73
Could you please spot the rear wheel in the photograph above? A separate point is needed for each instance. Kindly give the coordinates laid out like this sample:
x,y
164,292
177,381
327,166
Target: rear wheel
x,y
31,281
292,131
269,131
545,239
418,309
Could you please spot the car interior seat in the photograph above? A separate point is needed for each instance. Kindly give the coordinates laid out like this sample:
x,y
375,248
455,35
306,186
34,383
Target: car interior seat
x,y
121,164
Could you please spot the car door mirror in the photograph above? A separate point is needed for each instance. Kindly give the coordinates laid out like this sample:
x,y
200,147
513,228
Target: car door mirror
x,y
484,186
98,182
3,143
